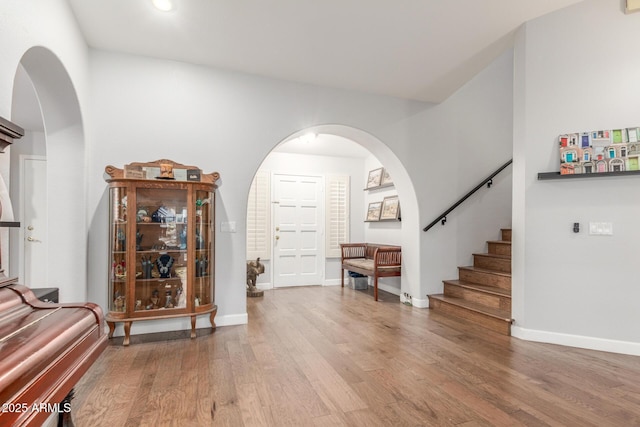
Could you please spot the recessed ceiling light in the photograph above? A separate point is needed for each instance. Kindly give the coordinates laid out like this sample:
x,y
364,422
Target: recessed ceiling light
x,y
164,5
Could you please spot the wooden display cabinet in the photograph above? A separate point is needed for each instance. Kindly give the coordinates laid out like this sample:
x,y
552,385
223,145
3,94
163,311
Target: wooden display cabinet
x,y
161,243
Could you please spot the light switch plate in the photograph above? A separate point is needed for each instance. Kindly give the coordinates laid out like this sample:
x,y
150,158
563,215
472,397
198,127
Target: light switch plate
x,y
601,228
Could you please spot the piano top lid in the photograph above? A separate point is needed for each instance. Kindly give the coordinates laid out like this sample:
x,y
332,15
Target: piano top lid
x,y
4,281
8,132
10,129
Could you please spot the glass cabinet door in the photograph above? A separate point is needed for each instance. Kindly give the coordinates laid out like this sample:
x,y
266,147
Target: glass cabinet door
x,y
161,249
204,259
118,245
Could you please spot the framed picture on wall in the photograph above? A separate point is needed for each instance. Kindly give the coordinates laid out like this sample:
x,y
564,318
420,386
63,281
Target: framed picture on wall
x,y
386,178
374,178
390,208
373,212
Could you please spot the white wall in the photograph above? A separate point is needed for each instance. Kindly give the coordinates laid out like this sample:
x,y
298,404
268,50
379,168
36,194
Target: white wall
x,y
301,164
49,28
576,70
466,138
384,232
145,109
139,109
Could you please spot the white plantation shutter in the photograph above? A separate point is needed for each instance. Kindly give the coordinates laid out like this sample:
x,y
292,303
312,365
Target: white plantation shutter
x,y
259,217
337,214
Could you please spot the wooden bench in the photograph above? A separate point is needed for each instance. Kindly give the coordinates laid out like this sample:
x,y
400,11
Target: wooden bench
x,y
372,260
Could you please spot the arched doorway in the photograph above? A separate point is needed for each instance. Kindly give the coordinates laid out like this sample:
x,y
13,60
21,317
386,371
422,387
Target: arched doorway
x,y
45,103
407,231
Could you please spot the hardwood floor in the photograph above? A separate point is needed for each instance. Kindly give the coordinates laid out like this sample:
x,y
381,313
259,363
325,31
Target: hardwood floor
x,y
331,356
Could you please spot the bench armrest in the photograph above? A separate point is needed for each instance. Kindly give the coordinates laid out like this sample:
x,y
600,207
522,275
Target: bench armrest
x,y
387,256
353,250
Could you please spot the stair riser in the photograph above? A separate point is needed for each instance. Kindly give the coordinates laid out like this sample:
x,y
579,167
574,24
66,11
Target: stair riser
x,y
500,248
499,281
484,298
496,325
489,263
506,234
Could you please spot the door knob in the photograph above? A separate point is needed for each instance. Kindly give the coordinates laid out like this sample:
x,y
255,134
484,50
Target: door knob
x,y
277,237
31,239
30,227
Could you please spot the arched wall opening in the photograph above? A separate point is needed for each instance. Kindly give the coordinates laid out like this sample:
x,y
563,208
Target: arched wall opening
x,y
408,229
45,103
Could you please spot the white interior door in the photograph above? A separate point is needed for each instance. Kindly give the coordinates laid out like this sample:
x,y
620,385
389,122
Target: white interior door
x,y
33,265
298,243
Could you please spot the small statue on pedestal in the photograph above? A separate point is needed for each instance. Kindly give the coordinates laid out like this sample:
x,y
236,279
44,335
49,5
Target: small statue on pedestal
x,y
254,269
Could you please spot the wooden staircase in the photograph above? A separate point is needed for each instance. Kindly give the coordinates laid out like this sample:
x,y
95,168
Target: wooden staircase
x,y
482,293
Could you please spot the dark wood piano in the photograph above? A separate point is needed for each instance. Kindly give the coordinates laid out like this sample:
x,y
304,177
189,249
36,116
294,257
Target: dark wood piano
x,y
45,349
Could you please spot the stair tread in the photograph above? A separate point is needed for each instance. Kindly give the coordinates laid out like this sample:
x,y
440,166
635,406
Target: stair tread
x,y
484,288
484,270
479,308
493,255
504,242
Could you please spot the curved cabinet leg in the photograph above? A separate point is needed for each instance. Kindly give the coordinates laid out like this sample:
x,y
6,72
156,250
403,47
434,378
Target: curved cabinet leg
x,y
112,328
127,333
212,315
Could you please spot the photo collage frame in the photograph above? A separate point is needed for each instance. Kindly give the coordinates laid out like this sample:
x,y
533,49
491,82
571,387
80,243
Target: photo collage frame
x,y
611,150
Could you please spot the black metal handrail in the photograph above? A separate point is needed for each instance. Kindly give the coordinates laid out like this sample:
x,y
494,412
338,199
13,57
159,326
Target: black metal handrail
x,y
488,180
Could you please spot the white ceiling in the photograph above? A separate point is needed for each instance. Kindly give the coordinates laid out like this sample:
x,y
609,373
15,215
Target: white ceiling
x,y
413,49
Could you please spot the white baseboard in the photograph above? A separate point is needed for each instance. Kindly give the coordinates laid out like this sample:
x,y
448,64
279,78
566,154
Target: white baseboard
x,y
232,319
334,282
415,302
421,303
580,341
264,286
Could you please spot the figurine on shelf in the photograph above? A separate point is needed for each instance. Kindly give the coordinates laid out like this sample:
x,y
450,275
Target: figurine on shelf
x,y
199,240
164,263
138,240
119,303
122,240
201,267
121,270
124,208
183,238
166,171
147,266
154,300
196,302
181,298
138,305
168,300
142,214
